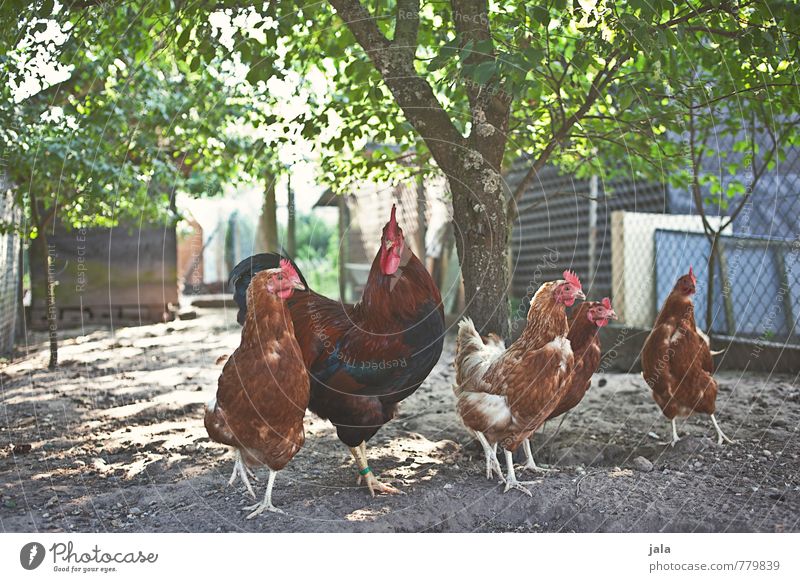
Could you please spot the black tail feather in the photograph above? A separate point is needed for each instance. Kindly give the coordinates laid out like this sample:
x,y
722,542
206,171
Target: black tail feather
x,y
240,276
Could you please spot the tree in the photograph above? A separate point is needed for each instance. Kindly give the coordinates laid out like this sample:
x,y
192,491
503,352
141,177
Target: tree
x,y
470,88
474,88
117,137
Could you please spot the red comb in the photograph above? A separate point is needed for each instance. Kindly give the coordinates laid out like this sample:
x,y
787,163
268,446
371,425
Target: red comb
x,y
572,278
286,265
606,302
391,228
691,274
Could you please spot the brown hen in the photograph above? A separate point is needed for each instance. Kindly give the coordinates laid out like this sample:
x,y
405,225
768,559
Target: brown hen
x,y
676,360
263,390
504,395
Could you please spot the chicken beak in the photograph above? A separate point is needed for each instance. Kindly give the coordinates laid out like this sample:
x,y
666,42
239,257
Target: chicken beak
x,y
613,315
579,295
299,286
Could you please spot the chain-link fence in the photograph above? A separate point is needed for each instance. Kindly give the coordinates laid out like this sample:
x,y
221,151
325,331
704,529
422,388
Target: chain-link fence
x,y
9,272
632,240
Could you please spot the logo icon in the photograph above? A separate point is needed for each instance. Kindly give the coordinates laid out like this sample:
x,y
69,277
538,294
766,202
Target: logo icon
x,y
31,555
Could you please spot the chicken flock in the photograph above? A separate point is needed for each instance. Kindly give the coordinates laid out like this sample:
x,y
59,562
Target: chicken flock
x,y
354,364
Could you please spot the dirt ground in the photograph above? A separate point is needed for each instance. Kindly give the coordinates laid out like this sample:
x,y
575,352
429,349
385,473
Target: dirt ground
x,y
114,441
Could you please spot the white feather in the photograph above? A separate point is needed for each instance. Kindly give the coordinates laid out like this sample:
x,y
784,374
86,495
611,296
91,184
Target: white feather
x,y
475,364
562,344
492,406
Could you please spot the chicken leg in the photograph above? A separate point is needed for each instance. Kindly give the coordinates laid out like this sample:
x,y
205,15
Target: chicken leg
x,y
360,455
675,437
490,452
530,464
511,478
266,504
241,470
720,435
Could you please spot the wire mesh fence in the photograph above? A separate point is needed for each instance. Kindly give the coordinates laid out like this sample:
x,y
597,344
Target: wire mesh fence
x,y
631,240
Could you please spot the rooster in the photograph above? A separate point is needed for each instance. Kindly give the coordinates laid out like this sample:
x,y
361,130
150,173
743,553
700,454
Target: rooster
x,y
364,359
263,390
676,360
504,395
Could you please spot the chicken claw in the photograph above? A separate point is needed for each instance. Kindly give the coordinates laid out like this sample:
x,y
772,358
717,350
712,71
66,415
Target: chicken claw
x,y
266,504
360,455
240,469
490,452
375,485
511,478
517,485
530,464
675,437
720,435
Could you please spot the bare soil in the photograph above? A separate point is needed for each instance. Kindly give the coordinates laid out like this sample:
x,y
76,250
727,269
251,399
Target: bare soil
x,y
114,441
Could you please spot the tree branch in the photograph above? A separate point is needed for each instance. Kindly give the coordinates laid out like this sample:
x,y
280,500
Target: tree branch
x,y
411,92
490,107
600,82
406,26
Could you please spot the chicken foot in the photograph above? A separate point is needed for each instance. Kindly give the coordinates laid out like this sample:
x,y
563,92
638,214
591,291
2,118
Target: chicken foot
x,y
266,504
720,435
490,452
511,478
240,469
530,464
360,455
675,437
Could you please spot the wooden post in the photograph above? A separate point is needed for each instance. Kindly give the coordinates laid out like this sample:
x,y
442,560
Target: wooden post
x,y
421,226
291,229
269,220
726,292
343,247
593,194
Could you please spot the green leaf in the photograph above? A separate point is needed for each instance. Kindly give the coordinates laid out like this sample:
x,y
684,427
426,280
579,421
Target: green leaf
x,y
484,71
46,8
540,14
184,37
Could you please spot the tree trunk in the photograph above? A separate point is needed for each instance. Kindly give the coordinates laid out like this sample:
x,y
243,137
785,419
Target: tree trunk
x,y
481,232
40,247
472,164
46,254
712,265
269,221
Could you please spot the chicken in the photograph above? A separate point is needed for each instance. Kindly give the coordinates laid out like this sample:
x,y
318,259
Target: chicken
x,y
504,395
263,390
364,359
584,323
676,360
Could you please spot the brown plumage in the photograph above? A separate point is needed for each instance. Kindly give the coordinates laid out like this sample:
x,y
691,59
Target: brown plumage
x,y
263,390
584,323
504,395
676,361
